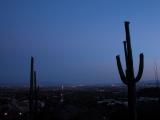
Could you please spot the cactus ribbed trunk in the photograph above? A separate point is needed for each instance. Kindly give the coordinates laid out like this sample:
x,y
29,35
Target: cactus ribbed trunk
x,y
131,84
128,77
132,101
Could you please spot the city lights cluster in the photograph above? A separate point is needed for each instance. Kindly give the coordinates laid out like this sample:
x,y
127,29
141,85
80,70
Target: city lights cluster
x,y
6,114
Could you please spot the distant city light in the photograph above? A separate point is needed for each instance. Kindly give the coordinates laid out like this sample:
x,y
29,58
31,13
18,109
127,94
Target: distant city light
x,y
104,117
5,113
20,113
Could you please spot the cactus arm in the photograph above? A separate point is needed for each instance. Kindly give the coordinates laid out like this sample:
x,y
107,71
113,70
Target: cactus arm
x,y
141,66
121,73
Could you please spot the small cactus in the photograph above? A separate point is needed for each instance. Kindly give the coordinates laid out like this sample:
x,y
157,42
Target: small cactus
x,y
33,92
128,77
31,89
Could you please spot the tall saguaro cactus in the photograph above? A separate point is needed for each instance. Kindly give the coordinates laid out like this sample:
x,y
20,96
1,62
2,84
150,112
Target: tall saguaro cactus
x,y
33,92
128,77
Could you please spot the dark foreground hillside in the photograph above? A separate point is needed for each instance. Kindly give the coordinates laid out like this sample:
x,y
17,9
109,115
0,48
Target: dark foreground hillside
x,y
82,103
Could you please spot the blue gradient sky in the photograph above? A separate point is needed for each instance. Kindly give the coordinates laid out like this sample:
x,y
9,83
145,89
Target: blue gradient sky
x,y
75,41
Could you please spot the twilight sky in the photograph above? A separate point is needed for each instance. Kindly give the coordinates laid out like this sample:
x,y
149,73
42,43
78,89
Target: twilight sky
x,y
75,41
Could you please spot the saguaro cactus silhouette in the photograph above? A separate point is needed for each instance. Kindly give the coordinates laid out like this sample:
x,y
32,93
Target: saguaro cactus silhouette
x,y
156,75
128,77
31,89
33,92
